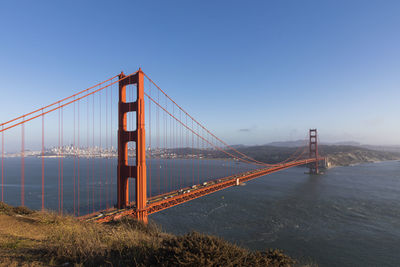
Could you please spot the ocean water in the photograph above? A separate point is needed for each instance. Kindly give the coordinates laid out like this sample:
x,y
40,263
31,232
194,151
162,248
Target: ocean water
x,y
95,180
349,216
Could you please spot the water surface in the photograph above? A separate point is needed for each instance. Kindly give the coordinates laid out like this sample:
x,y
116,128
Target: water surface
x,y
350,216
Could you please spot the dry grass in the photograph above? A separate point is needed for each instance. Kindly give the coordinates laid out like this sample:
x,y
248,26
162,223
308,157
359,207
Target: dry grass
x,y
196,249
45,239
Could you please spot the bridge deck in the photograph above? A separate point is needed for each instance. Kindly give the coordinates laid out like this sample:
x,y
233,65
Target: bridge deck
x,y
162,202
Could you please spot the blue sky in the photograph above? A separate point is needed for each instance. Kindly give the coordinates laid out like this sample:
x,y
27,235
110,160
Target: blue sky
x,y
253,72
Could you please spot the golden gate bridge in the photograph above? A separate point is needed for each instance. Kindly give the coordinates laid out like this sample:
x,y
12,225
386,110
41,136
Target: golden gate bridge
x,y
163,153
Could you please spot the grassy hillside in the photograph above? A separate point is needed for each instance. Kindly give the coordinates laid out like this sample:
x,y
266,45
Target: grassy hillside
x,y
349,155
29,238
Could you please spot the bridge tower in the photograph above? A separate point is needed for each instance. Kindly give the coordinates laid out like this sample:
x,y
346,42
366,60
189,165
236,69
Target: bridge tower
x,y
126,171
313,151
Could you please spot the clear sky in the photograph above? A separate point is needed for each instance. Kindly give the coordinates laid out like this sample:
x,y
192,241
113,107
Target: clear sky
x,y
252,71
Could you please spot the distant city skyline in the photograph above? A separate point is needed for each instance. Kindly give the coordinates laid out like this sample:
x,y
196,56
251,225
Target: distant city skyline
x,y
252,74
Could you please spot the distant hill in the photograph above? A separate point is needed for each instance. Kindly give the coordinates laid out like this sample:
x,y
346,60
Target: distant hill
x,y
287,143
383,148
298,143
343,143
338,155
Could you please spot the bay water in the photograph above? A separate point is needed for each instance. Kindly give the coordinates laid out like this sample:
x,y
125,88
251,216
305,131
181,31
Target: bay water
x,y
348,216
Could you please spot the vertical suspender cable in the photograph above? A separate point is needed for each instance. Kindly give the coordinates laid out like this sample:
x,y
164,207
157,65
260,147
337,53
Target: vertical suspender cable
x,y
187,137
100,157
111,137
205,167
171,151
59,159
22,162
180,148
106,149
165,150
93,156
79,150
2,164
192,154
166,181
158,143
198,156
203,153
205,158
42,161
62,160
87,157
74,176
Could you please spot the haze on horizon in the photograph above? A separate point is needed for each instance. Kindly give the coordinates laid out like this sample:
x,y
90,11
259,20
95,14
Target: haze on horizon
x,y
253,74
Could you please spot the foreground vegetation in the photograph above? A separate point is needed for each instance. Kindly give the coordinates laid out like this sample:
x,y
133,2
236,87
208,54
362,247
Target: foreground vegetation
x,y
29,238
